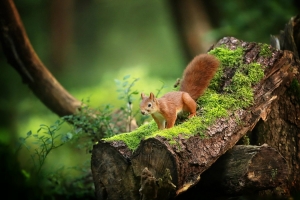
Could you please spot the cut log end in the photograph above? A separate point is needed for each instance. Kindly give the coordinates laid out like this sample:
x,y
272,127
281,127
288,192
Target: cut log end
x,y
112,172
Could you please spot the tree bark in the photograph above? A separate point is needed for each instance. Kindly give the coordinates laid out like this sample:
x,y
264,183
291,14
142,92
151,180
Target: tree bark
x,y
282,126
21,56
189,158
192,23
242,170
61,21
289,38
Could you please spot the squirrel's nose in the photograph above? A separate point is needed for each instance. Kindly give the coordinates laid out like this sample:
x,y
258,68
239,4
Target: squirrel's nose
x,y
143,112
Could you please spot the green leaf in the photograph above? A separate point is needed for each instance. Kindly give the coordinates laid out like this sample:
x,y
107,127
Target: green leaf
x,y
66,137
126,77
77,130
29,133
107,106
22,139
48,140
25,174
70,135
118,82
125,83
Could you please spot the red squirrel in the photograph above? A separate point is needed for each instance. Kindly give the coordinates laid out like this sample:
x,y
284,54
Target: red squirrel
x,y
196,78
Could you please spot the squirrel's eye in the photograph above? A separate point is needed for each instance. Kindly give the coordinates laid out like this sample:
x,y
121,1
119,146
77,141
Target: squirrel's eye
x,y
149,105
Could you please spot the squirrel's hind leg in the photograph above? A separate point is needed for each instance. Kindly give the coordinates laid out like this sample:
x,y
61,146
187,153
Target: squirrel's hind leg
x,y
189,104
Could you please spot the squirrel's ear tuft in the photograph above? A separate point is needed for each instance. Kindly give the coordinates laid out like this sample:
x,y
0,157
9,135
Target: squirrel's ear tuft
x,y
143,95
152,97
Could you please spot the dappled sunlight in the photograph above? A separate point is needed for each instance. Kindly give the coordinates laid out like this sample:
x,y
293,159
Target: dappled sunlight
x,y
106,90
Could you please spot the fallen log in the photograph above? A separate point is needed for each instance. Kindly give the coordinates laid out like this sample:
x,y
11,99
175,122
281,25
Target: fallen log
x,y
242,170
117,165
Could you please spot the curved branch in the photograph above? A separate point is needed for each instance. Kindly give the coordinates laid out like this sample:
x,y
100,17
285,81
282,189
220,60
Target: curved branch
x,y
22,57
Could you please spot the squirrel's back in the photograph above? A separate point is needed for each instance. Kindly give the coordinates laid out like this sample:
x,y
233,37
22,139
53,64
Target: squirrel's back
x,y
198,73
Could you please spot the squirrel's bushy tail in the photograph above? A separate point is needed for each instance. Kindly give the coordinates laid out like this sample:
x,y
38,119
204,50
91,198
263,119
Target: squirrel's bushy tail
x,y
198,73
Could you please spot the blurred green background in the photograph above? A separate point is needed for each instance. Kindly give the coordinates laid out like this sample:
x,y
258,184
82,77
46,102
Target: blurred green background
x,y
86,44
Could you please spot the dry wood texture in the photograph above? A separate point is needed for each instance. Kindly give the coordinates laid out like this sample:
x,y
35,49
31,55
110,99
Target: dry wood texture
x,y
189,158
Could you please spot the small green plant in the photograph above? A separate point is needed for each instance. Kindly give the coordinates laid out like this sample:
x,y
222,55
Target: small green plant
x,y
62,182
246,140
40,145
45,140
163,86
125,89
87,127
106,121
94,123
126,93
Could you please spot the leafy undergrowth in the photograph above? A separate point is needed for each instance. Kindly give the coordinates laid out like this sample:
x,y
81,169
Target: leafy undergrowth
x,y
214,103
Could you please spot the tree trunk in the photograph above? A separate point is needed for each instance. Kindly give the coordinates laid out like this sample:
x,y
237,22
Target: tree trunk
x,y
190,157
192,23
21,56
61,21
282,126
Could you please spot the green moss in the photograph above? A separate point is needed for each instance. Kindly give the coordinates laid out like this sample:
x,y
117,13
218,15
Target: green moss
x,y
265,50
295,88
255,72
149,130
227,57
133,138
238,94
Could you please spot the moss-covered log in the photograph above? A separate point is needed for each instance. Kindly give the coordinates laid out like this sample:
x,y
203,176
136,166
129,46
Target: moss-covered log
x,y
238,97
242,170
